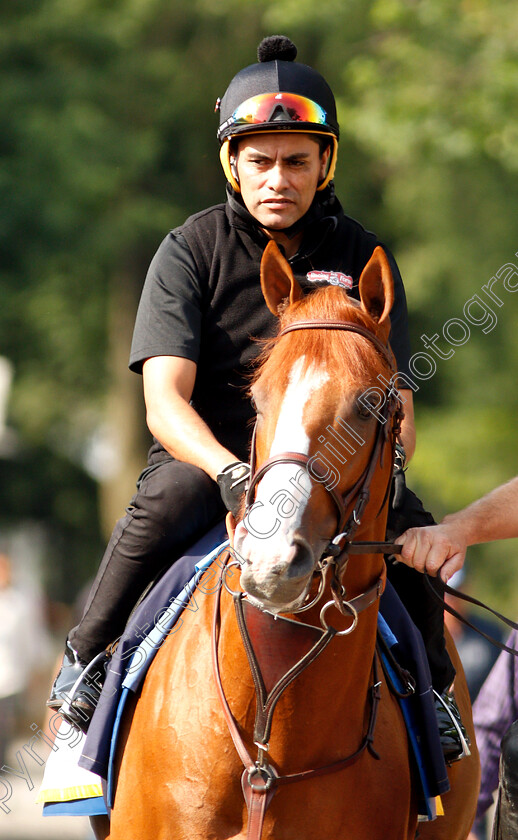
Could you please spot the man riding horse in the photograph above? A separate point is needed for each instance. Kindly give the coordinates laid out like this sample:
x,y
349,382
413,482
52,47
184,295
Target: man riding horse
x,y
199,318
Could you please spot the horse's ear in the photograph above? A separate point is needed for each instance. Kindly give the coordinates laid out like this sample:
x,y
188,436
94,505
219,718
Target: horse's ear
x,y
377,290
277,280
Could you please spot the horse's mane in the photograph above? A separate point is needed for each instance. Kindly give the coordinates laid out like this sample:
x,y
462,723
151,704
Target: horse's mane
x,y
339,351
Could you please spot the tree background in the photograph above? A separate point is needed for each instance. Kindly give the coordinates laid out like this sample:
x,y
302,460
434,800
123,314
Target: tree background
x,y
108,141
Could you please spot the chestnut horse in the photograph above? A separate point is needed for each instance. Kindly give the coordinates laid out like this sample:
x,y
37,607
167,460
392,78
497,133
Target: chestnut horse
x,y
298,699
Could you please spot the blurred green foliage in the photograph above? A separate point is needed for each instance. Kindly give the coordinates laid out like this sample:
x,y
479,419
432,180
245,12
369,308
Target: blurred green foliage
x,y
108,140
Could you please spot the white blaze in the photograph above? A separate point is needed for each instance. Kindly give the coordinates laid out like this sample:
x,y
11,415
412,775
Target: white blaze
x,y
283,492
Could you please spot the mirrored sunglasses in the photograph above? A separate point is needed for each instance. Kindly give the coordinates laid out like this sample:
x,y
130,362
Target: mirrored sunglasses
x,y
271,107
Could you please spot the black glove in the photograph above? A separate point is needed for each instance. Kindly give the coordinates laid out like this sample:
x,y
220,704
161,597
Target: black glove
x,y
232,482
398,477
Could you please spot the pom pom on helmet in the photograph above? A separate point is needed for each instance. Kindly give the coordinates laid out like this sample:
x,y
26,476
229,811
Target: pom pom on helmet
x,y
276,48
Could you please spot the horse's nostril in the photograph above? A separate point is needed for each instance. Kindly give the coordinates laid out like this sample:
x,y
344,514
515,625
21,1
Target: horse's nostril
x,y
301,559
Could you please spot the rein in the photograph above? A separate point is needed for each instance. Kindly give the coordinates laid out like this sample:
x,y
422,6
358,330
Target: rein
x,y
449,590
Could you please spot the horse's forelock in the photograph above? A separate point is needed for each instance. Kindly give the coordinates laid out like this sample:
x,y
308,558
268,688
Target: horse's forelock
x,y
339,350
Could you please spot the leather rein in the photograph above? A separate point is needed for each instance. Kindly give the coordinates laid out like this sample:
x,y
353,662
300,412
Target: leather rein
x,y
260,779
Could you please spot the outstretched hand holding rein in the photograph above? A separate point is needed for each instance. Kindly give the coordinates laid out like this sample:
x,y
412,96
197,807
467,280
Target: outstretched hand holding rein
x,y
440,549
435,549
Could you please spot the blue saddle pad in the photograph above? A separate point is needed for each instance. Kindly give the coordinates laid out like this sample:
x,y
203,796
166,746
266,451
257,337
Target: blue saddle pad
x,y
173,589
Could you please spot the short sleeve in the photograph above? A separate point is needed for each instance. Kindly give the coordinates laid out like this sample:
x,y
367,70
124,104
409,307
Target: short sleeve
x,y
168,321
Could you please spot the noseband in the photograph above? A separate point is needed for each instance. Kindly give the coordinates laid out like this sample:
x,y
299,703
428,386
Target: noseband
x,y
390,421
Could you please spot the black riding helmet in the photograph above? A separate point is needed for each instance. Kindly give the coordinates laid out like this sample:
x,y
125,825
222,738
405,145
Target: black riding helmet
x,y
277,94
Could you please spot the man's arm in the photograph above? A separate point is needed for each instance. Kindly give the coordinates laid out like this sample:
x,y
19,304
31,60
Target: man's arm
x,y
168,387
440,549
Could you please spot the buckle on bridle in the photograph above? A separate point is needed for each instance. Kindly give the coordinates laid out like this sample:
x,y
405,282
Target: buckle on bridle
x,y
361,503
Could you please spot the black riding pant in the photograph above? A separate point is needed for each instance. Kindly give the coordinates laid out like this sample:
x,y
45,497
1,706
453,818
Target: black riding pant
x,y
175,504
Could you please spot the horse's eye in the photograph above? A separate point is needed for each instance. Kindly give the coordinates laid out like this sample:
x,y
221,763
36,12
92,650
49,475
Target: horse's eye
x,y
366,407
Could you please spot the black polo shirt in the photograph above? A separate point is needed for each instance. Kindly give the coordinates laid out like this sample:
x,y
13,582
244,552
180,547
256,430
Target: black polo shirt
x,y
202,301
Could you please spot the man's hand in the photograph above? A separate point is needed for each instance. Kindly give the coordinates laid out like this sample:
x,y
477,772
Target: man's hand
x,y
232,481
440,549
435,549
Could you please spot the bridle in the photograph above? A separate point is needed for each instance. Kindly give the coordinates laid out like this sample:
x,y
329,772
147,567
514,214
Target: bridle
x,y
260,779
357,497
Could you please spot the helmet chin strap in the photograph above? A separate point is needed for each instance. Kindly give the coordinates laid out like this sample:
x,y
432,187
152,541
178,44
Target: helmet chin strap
x,y
230,171
224,156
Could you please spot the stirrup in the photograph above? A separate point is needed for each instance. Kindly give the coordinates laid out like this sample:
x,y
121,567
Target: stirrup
x,y
81,702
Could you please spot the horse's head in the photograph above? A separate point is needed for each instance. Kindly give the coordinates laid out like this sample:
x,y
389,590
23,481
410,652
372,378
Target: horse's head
x,y
323,424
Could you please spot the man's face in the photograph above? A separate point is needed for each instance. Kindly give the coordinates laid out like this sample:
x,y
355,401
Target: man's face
x,y
278,175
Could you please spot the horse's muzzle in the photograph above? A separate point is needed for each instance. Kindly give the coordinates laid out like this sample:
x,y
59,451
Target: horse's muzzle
x,y
277,577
